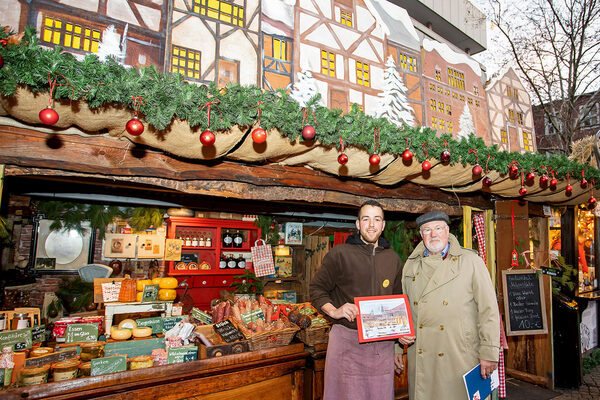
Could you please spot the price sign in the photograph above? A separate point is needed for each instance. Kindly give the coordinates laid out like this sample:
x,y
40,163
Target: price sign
x,y
253,315
201,316
169,322
38,334
228,331
150,293
77,333
182,354
524,303
108,365
156,323
19,339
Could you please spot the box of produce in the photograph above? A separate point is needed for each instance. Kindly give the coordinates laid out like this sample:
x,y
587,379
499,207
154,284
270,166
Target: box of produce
x,y
314,327
211,344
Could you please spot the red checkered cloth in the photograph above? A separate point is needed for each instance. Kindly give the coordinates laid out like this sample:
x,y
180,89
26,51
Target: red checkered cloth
x,y
262,259
479,223
501,366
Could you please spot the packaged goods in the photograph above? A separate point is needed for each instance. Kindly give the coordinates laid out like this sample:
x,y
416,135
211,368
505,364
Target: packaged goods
x,y
65,370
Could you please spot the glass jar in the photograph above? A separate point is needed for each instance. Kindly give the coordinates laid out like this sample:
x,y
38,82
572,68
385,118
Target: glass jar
x,y
208,242
40,351
140,362
195,242
2,322
201,241
20,321
34,375
188,241
85,369
65,370
91,350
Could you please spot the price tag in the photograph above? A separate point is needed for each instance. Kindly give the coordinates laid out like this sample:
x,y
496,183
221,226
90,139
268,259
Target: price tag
x,y
108,365
228,331
169,322
252,316
201,316
150,293
155,323
77,333
20,338
20,346
182,354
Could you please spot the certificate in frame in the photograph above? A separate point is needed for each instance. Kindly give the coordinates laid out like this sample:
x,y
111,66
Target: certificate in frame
x,y
383,317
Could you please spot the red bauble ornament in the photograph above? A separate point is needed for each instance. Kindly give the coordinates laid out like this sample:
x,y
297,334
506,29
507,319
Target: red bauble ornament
x,y
426,165
3,42
407,156
308,132
374,159
522,191
569,190
513,170
134,127
583,183
592,202
530,177
553,182
487,181
477,170
543,180
259,135
48,116
207,138
445,156
343,158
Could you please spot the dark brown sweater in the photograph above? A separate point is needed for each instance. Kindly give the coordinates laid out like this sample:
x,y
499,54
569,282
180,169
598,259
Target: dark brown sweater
x,y
355,269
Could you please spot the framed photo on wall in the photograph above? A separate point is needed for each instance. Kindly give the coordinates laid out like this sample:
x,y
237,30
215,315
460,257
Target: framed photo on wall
x,y
383,317
119,245
293,233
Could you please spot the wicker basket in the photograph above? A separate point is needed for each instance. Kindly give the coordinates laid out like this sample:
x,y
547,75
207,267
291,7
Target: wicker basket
x,y
266,340
315,334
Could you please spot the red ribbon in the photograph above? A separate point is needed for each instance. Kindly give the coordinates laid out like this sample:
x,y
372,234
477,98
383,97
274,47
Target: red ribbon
x,y
208,105
426,149
471,151
342,143
258,110
137,102
486,163
514,261
376,139
304,116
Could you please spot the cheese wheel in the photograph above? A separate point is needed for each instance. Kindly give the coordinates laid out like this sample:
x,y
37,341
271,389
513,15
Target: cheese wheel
x,y
167,294
127,324
156,281
140,284
168,283
120,334
142,332
138,296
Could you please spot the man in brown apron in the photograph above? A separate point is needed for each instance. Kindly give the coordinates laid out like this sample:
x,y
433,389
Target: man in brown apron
x,y
363,266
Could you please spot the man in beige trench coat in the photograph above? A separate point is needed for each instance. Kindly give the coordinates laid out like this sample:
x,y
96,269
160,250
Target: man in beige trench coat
x,y
454,312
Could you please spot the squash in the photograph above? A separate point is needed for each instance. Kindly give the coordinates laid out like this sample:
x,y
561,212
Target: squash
x,y
142,332
167,294
141,283
119,334
127,324
168,283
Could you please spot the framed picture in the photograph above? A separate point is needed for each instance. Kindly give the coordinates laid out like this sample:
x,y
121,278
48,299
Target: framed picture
x,y
173,249
61,251
151,246
293,233
119,245
383,317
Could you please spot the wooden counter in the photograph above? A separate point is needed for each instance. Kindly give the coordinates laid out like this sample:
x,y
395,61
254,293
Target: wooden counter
x,y
270,374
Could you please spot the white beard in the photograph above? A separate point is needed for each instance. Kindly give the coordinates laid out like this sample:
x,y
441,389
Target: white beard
x,y
436,248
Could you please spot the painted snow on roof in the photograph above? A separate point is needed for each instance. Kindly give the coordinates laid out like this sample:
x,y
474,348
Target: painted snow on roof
x,y
395,22
451,56
279,10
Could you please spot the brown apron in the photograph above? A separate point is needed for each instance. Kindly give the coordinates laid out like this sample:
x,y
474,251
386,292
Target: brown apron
x,y
358,371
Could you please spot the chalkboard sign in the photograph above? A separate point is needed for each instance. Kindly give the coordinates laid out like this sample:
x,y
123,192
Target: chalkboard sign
x,y
134,348
228,331
77,333
189,257
253,315
169,322
38,334
150,293
182,354
524,303
201,316
156,323
108,365
19,339
51,358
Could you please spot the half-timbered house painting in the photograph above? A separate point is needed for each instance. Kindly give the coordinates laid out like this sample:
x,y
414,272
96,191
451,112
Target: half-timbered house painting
x,y
214,41
277,27
342,44
135,28
511,117
453,91
404,46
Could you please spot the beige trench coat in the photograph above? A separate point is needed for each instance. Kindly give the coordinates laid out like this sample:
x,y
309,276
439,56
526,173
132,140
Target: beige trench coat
x,y
456,321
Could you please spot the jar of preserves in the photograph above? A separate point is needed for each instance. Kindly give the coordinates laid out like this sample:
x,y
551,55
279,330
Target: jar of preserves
x,y
85,369
241,262
40,351
201,241
34,375
20,321
140,362
91,350
195,242
208,242
2,322
65,370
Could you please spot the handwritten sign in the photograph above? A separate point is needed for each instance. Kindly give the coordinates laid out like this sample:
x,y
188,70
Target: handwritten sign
x,y
19,339
228,331
169,322
201,316
134,348
253,315
156,323
524,303
182,354
108,365
77,333
51,358
150,293
38,334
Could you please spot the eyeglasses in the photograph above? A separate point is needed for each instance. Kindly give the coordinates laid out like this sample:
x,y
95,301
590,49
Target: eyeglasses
x,y
437,229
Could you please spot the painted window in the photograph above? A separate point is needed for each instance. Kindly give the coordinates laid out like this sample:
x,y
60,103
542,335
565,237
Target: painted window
x,y
454,95
511,116
516,94
462,98
449,109
280,49
503,136
477,103
456,78
520,118
438,75
407,63
327,63
186,62
432,86
221,10
449,126
346,18
528,141
70,35
440,106
440,90
363,76
433,105
476,90
434,122
447,92
469,100
442,124
512,92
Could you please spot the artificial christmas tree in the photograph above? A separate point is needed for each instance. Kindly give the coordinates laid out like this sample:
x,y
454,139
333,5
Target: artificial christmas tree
x,y
393,104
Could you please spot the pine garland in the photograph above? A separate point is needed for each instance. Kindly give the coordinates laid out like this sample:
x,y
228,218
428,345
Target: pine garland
x,y
168,96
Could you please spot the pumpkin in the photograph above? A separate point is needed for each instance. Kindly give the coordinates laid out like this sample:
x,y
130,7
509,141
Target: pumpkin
x,y
141,283
168,283
167,294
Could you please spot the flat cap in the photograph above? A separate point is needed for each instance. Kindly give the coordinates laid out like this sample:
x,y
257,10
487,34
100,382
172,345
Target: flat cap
x,y
432,216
